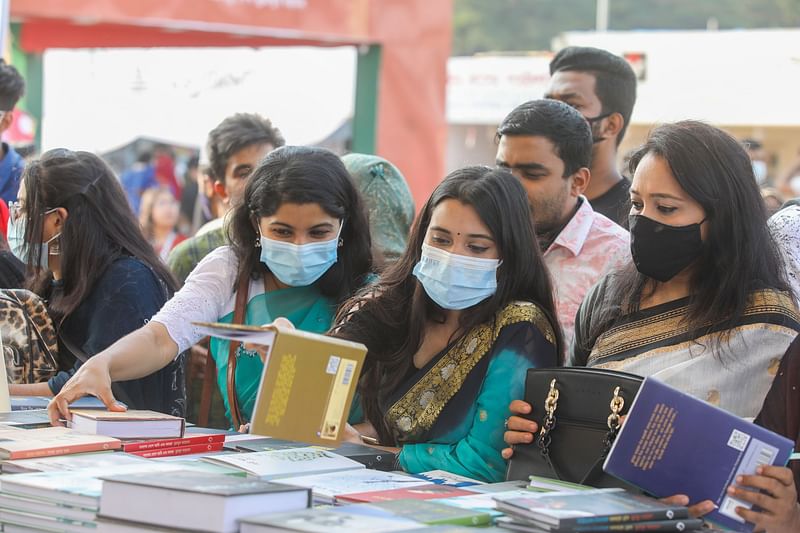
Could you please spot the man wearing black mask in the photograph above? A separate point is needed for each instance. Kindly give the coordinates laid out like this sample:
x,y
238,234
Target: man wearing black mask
x,y
601,86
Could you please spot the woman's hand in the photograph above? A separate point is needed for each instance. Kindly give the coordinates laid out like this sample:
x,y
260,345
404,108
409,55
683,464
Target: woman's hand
x,y
695,511
92,378
351,434
773,490
518,430
263,349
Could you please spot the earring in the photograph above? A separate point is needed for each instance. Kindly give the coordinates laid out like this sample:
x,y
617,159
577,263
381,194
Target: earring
x,y
55,248
341,242
258,243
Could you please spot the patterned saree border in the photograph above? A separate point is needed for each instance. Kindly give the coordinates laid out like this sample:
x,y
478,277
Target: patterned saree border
x,y
417,410
656,330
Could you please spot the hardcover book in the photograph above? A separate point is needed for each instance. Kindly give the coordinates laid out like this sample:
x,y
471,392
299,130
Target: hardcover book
x,y
657,450
196,501
565,511
45,442
128,424
307,385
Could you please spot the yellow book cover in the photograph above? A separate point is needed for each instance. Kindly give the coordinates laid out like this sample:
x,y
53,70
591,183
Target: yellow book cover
x,y
308,383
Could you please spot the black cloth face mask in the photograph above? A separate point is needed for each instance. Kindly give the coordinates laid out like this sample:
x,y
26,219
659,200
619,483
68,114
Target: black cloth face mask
x,y
660,251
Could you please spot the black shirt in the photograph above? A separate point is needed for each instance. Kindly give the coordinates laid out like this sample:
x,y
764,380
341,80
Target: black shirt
x,y
12,271
615,203
124,299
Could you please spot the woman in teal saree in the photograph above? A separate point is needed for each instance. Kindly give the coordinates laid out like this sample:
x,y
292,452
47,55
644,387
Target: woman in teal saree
x,y
452,327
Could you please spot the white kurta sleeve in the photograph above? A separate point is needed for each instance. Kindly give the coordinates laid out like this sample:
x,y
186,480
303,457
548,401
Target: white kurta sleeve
x,y
204,296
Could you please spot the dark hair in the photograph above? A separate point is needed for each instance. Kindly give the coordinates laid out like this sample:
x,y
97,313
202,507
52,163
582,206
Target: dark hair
x,y
100,228
144,157
752,144
236,133
738,256
12,86
615,81
558,123
389,317
305,175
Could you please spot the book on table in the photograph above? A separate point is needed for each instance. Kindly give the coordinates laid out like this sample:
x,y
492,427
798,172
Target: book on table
x,y
307,385
128,424
432,513
345,519
61,463
664,526
422,492
195,501
327,487
291,462
369,456
657,450
565,511
44,442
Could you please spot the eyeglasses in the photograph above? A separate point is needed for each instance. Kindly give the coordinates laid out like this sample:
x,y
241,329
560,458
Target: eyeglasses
x,y
16,210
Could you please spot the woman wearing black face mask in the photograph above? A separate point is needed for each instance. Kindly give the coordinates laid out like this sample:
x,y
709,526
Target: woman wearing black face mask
x,y
704,306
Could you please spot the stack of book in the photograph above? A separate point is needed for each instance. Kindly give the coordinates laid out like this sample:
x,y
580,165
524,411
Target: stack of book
x,y
591,510
191,501
50,441
61,500
128,424
187,445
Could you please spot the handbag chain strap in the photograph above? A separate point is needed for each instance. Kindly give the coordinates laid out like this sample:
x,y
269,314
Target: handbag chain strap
x,y
614,420
549,422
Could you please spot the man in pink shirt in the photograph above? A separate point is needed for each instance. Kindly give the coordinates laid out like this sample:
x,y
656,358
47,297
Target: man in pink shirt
x,y
548,146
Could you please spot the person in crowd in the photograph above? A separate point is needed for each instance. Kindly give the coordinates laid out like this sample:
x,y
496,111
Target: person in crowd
x,y
164,169
389,202
140,177
773,200
704,306
450,327
548,146
234,149
12,270
789,180
191,190
300,245
87,257
785,229
159,216
781,410
12,87
758,159
602,87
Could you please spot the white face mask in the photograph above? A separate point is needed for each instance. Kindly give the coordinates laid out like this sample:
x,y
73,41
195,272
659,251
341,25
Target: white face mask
x,y
20,248
760,171
456,281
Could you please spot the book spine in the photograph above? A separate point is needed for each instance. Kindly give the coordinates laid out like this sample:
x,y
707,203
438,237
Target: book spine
x,y
180,450
667,514
132,447
665,526
63,450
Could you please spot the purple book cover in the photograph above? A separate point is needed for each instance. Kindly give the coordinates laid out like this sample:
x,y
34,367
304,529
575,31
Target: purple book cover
x,y
673,443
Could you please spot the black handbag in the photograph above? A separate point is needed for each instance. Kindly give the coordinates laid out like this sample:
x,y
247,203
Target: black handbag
x,y
578,412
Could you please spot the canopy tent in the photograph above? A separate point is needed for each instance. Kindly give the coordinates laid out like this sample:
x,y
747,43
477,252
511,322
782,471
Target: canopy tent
x,y
401,70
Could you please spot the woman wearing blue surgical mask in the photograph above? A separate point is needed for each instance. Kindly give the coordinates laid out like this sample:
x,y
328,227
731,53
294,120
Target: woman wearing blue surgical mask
x,y
300,245
452,326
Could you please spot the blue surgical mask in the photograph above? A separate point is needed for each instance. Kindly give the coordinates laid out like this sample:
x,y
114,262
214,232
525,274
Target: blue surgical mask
x,y
18,246
299,265
456,281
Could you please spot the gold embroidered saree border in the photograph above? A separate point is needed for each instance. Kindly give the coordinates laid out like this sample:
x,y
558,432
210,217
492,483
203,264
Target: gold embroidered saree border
x,y
672,324
416,412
